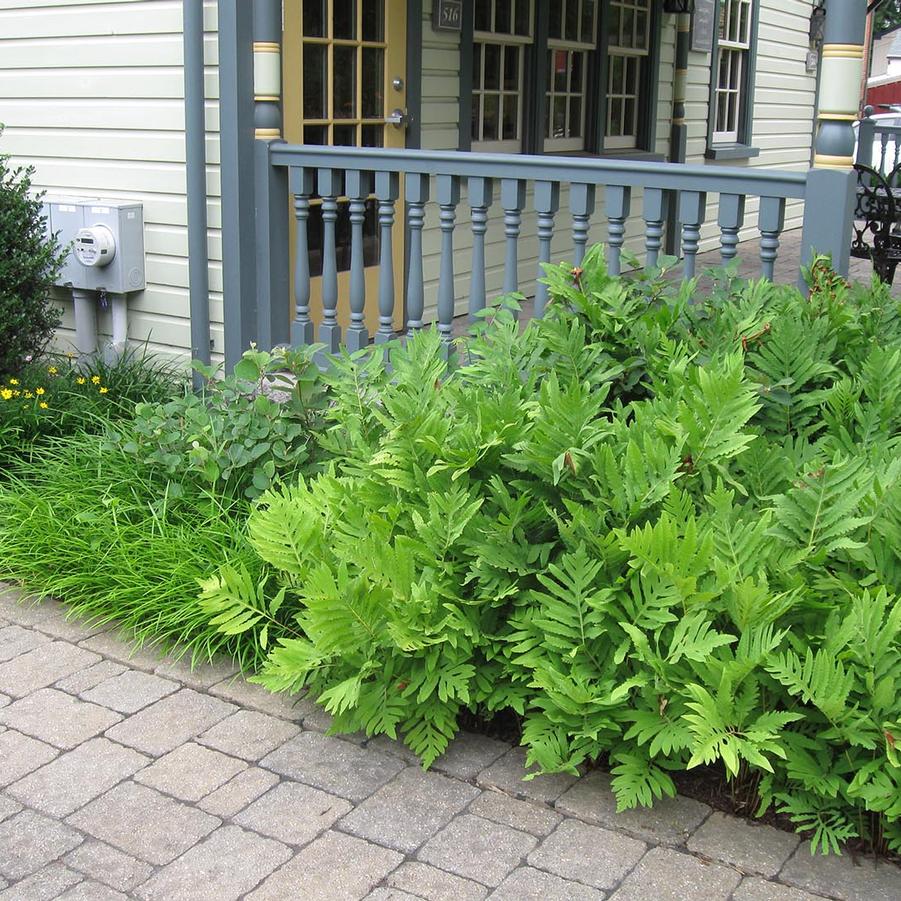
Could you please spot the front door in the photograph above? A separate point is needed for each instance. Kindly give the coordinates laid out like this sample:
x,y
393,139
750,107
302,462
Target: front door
x,y
344,73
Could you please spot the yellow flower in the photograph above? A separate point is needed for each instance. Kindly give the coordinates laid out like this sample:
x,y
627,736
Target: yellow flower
x,y
80,380
39,391
104,390
14,381
16,393
52,370
6,393
43,405
95,379
28,394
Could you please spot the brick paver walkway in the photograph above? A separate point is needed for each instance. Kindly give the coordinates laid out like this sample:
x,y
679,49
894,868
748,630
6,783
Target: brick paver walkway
x,y
132,777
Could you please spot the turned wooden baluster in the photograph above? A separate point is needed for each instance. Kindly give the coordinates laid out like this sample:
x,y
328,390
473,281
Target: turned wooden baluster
x,y
480,192
447,190
730,220
581,204
654,215
547,202
513,199
358,187
417,194
692,209
386,190
329,186
770,222
617,201
302,325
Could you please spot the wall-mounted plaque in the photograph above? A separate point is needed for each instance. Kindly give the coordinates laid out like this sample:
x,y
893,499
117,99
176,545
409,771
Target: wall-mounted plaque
x,y
447,15
702,24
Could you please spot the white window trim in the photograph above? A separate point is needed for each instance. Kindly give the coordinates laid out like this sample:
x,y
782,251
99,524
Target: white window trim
x,y
741,48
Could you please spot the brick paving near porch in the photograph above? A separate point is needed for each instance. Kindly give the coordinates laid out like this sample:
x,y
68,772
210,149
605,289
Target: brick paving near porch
x,y
127,775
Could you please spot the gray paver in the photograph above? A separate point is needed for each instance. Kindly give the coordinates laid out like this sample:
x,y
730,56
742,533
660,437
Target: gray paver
x,y
752,847
670,820
333,765
428,882
248,734
842,877
76,777
334,866
57,718
205,675
478,849
142,822
665,874
42,666
221,868
391,894
48,883
589,854
30,841
123,648
753,888
108,865
15,640
395,747
18,607
88,678
168,723
190,772
293,813
236,794
20,754
92,891
8,807
507,774
130,691
529,884
409,810
524,815
468,754
61,623
258,698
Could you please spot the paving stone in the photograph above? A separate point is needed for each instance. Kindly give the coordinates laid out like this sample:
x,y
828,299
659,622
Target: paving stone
x,y
468,754
43,666
392,746
236,794
190,772
8,807
753,888
142,822
334,866
61,622
409,810
665,874
29,841
588,854
74,778
670,820
171,722
44,885
20,754
221,868
529,884
752,847
433,884
333,765
57,718
92,891
293,813
507,774
256,697
842,877
25,610
14,640
391,894
130,691
204,675
4,700
108,865
524,815
248,734
122,647
478,849
88,678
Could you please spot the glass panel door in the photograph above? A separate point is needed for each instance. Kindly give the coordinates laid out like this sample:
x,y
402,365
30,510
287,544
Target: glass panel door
x,y
344,72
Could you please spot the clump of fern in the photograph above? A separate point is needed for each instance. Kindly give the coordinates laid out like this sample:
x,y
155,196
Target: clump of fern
x,y
664,533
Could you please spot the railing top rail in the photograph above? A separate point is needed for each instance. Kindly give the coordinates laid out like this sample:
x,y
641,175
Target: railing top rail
x,y
887,129
598,171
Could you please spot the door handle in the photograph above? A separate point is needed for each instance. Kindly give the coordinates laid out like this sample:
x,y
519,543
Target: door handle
x,y
398,117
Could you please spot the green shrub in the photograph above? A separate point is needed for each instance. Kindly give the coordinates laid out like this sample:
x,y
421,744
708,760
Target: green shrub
x,y
664,533
28,265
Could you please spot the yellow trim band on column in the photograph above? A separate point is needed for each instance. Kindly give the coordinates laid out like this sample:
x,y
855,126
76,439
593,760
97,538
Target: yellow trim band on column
x,y
266,98
267,133
266,47
825,161
840,117
843,51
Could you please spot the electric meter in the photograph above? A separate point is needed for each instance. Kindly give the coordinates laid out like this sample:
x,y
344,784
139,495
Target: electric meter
x,y
94,246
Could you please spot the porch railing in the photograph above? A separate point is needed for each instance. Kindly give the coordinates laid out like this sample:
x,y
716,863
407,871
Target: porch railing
x,y
356,174
878,144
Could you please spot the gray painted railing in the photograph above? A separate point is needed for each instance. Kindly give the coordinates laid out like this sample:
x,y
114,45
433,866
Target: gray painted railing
x,y
878,144
356,174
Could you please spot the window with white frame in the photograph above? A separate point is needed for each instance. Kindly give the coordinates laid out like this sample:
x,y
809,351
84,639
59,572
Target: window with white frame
x,y
502,31
628,45
730,92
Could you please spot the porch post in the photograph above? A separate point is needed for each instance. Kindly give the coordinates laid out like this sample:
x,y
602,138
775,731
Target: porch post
x,y
679,130
239,312
270,183
829,202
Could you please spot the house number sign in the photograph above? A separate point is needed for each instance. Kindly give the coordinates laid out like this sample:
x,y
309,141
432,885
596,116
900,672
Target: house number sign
x,y
702,26
447,15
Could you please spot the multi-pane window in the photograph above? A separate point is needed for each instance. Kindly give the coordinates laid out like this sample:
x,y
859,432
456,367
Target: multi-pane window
x,y
572,38
733,53
628,45
502,31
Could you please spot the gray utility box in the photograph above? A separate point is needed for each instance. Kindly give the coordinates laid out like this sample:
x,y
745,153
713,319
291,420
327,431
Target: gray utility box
x,y
107,243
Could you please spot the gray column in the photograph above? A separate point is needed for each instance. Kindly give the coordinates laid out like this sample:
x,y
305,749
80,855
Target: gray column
x,y
267,68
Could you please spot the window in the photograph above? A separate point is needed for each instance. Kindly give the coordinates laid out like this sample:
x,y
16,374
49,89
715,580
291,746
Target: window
x,y
731,95
590,92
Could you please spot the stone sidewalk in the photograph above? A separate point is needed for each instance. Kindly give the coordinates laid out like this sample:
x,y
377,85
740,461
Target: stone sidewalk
x,y
130,776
